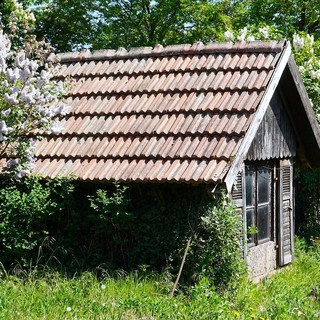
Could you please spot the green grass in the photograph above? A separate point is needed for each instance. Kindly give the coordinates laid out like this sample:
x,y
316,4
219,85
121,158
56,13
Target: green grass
x,y
291,293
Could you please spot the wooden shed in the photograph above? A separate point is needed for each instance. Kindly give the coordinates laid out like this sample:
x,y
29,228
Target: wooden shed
x,y
235,115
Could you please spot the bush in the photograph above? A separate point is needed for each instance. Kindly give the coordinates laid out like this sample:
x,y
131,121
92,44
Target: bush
x,y
217,250
119,227
25,209
308,203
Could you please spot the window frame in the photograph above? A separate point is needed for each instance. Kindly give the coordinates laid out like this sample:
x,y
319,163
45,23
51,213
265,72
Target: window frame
x,y
257,169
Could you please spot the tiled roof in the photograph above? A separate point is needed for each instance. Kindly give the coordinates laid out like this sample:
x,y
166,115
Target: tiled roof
x,y
177,113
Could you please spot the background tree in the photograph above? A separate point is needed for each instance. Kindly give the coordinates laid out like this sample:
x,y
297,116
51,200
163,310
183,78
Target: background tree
x,y
67,25
71,25
131,23
288,16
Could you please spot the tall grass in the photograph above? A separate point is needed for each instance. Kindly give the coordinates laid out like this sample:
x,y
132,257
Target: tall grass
x,y
292,293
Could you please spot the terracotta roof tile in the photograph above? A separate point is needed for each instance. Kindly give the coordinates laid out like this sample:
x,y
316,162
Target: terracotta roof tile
x,y
177,113
189,172
136,172
208,173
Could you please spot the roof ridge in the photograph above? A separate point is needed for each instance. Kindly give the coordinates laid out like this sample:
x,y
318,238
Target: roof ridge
x,y
174,50
134,157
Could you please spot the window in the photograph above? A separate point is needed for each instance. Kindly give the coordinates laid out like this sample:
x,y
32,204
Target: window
x,y
258,203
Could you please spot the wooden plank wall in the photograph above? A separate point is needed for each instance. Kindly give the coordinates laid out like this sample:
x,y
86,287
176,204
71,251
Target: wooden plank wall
x,y
275,137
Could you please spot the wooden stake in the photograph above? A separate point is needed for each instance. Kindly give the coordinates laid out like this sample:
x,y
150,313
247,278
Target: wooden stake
x,y
181,266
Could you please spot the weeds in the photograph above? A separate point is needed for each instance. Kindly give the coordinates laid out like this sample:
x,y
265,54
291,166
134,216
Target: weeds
x,y
291,293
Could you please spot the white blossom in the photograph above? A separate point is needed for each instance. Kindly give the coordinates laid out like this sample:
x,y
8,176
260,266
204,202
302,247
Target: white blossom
x,y
13,74
228,35
298,42
52,58
22,173
265,32
243,33
3,64
49,97
45,111
27,90
11,99
12,162
33,65
315,74
5,45
25,74
61,110
5,113
311,39
14,90
29,94
44,120
20,60
44,75
56,128
302,69
250,38
32,142
4,129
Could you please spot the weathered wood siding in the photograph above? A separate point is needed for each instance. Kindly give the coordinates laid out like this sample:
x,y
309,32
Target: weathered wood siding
x,y
275,137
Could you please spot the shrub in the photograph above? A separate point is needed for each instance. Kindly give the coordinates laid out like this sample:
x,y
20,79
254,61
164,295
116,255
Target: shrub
x,y
217,249
117,227
24,212
308,203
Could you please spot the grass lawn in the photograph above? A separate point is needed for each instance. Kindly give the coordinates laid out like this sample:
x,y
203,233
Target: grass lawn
x,y
291,293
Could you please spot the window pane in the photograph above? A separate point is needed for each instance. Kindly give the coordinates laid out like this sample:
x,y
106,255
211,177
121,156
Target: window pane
x,y
263,222
249,187
263,185
249,214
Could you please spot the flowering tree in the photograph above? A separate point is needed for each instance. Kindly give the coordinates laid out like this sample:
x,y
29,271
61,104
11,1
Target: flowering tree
x,y
29,97
307,56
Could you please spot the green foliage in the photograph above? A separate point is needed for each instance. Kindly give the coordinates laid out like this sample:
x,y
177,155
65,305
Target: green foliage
x,y
291,293
25,209
70,25
219,244
80,227
290,16
123,23
16,21
66,25
110,208
308,203
307,56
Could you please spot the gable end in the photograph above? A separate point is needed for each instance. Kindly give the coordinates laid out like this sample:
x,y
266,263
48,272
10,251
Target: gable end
x,y
275,137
